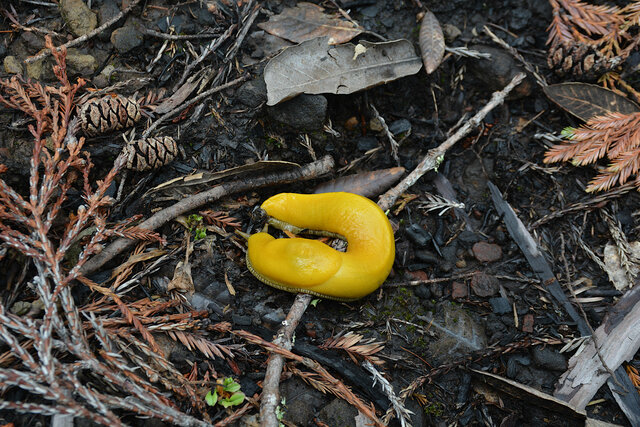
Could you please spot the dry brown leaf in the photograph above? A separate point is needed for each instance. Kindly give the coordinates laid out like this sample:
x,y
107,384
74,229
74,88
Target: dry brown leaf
x,y
367,184
308,21
586,101
431,42
182,280
315,67
136,258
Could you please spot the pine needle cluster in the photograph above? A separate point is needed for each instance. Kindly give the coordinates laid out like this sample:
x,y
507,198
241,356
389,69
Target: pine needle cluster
x,y
615,136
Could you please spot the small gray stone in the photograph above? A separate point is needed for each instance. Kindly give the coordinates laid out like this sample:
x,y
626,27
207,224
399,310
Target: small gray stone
x,y
487,252
338,413
426,256
40,70
302,401
484,285
548,358
80,63
418,235
304,112
79,18
107,10
12,65
274,318
126,38
32,42
451,32
399,127
499,70
500,305
252,93
366,143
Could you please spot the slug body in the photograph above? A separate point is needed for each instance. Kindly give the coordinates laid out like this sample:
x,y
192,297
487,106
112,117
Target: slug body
x,y
309,266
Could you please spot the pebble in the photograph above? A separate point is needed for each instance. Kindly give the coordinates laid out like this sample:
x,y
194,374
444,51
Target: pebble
x,y
80,63
107,10
338,413
79,18
418,235
459,290
302,401
304,112
451,32
252,93
40,70
426,256
487,252
498,71
126,38
468,237
500,305
274,318
527,323
519,18
399,127
461,263
366,143
12,65
484,285
423,292
548,358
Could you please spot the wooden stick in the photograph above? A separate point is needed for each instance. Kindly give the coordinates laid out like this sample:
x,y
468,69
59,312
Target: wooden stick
x,y
270,386
87,36
309,171
434,156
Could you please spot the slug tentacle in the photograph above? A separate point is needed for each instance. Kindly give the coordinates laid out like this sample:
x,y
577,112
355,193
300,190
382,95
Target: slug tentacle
x,y
305,265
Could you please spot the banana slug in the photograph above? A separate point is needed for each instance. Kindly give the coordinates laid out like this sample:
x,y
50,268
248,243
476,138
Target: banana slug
x,y
310,266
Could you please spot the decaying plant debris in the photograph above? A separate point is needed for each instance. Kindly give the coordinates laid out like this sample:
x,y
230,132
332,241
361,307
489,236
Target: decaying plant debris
x,y
133,157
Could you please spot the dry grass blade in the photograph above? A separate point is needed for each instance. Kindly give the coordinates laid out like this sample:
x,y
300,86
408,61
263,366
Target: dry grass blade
x,y
206,347
431,42
350,343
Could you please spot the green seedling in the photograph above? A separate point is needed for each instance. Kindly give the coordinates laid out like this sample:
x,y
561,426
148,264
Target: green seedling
x,y
194,223
227,393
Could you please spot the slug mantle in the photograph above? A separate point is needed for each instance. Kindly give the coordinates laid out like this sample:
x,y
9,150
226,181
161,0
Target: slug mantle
x,y
310,266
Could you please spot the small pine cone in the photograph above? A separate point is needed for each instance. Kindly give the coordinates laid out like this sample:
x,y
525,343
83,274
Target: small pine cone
x,y
150,153
109,113
578,60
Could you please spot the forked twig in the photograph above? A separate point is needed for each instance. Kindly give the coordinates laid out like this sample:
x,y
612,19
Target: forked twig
x,y
434,156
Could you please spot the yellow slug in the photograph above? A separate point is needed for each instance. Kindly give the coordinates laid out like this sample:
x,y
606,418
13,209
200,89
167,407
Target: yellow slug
x,y
310,266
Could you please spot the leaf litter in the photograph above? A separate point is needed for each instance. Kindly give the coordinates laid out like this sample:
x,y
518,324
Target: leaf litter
x,y
315,67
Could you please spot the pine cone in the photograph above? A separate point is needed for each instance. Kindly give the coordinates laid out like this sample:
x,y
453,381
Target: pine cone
x,y
109,113
578,60
150,153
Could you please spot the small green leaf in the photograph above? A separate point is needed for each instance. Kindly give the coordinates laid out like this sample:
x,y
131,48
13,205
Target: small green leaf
x,y
211,399
234,400
315,302
568,132
232,388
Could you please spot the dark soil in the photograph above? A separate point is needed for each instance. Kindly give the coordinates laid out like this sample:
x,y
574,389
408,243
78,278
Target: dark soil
x,y
489,275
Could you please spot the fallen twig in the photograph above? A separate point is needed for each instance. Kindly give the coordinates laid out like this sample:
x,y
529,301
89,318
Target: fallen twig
x,y
338,388
629,402
270,388
87,36
179,108
309,171
434,156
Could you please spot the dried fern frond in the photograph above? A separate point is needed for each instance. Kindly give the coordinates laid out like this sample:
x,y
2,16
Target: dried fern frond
x,y
350,343
615,136
221,219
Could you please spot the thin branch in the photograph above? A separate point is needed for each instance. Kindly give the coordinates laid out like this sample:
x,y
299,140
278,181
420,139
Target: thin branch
x,y
87,36
434,156
309,171
270,391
